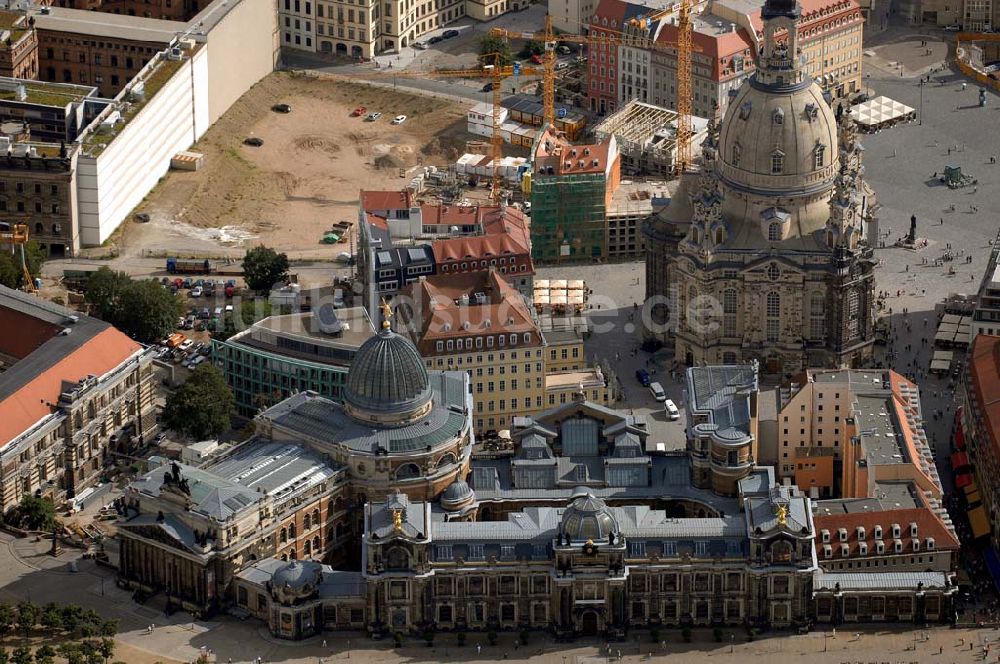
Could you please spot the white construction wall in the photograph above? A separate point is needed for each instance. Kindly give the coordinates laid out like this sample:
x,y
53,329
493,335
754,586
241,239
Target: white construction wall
x,y
236,46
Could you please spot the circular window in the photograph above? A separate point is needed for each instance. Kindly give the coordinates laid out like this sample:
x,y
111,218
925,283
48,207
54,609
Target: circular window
x,y
361,469
773,272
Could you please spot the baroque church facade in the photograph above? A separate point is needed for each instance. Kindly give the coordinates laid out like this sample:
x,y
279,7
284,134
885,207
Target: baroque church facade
x,y
766,253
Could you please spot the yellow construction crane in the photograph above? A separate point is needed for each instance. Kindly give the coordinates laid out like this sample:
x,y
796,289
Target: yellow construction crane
x,y
17,236
496,72
685,47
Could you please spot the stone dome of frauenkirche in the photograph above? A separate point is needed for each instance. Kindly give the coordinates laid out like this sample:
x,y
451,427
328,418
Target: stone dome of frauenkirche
x,y
788,129
588,518
387,381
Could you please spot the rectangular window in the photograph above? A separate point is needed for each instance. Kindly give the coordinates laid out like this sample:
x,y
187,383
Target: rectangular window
x,y
476,552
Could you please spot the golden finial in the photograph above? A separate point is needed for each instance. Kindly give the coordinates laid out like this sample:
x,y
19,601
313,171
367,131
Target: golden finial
x,y
386,314
397,520
782,515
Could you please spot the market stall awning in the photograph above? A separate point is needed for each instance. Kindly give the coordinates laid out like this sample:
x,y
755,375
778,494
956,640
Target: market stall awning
x,y
973,498
959,437
880,110
959,460
963,480
980,524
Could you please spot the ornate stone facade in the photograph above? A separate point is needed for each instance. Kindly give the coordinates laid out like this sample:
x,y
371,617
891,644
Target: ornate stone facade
x,y
763,254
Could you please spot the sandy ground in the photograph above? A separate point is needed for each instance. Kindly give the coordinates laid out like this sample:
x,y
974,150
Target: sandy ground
x,y
305,177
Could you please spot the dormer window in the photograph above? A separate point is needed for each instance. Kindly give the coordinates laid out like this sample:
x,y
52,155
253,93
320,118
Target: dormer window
x,y
825,534
745,109
842,533
878,532
913,529
861,532
819,156
863,548
778,116
773,231
777,162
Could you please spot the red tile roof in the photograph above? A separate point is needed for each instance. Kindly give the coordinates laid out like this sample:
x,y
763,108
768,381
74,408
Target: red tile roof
x,y
984,384
385,200
29,404
555,151
928,525
437,316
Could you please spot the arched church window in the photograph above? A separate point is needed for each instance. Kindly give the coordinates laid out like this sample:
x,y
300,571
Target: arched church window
x,y
773,272
777,162
829,238
718,236
774,231
819,156
736,154
773,311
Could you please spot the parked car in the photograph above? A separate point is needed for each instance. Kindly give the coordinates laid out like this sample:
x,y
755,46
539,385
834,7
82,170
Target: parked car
x,y
229,308
186,283
281,108
419,45
488,87
372,117
671,410
187,343
253,141
196,291
435,40
657,391
536,59
359,111
399,119
448,34
205,313
642,376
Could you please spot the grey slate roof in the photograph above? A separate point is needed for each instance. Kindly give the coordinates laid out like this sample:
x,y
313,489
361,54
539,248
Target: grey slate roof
x,y
211,495
723,393
311,416
762,511
274,467
387,375
879,580
669,479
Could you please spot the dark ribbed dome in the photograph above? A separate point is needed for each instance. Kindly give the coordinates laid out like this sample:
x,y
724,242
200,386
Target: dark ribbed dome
x,y
387,376
588,518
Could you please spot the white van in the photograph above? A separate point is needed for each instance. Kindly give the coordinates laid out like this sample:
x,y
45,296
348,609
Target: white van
x,y
657,391
671,410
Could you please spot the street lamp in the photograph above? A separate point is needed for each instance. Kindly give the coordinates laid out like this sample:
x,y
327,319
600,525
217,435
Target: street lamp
x,y
868,83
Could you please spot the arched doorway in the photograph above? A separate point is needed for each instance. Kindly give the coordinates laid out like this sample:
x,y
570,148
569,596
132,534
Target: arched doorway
x,y
588,623
341,49
326,47
356,51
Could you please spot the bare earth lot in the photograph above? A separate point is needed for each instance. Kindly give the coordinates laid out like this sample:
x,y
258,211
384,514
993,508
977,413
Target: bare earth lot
x,y
305,177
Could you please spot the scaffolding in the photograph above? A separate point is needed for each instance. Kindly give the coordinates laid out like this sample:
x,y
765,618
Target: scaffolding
x,y
568,217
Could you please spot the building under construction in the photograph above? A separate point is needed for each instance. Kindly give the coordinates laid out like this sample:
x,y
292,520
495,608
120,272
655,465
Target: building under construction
x,y
572,187
647,137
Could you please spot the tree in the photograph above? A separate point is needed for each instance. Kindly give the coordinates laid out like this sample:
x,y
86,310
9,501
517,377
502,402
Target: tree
x,y
72,615
109,627
33,513
21,655
148,311
51,617
107,649
200,407
45,654
27,617
533,47
488,46
7,618
11,274
263,267
105,290
144,310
